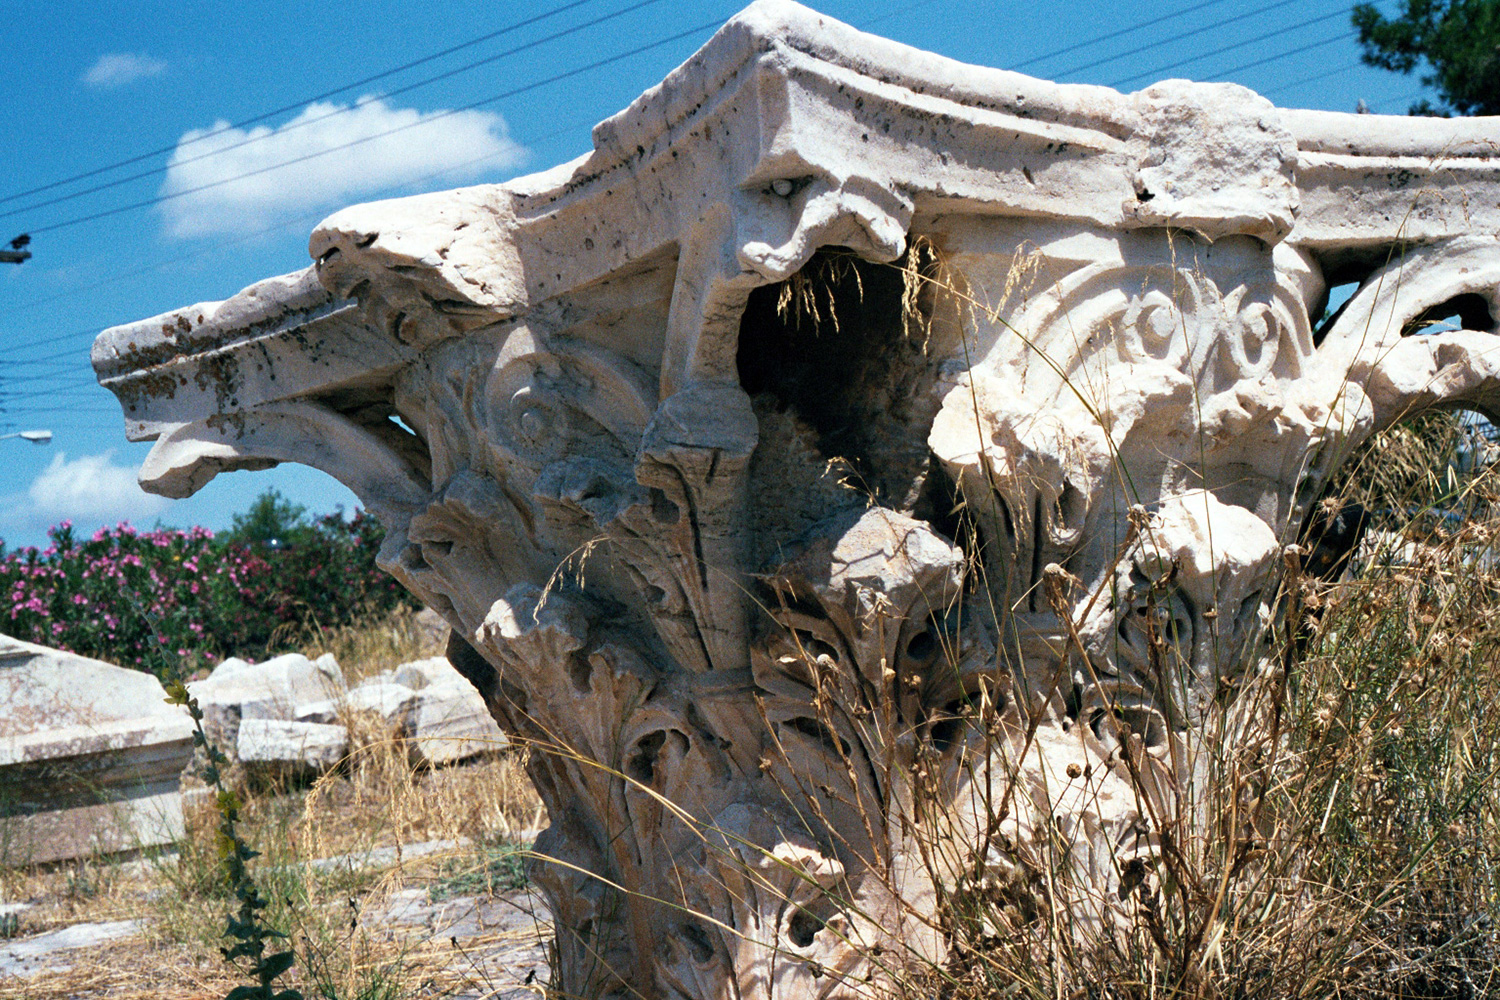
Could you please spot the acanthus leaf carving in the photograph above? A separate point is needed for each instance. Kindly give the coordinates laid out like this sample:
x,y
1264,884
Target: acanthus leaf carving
x,y
802,671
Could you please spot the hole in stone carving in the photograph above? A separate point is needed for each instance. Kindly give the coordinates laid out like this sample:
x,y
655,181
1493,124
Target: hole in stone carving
x,y
642,763
1132,874
813,647
803,927
1006,519
1073,701
579,672
941,506
663,510
922,646
1070,507
1330,534
1468,312
815,730
374,409
1144,194
1338,300
836,346
950,724
698,943
1136,721
1249,611
412,560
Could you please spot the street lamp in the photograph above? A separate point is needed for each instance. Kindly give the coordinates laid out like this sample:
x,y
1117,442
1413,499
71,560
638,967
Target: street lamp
x,y
35,437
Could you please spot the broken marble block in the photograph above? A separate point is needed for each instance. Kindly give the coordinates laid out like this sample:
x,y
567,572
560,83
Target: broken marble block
x,y
238,690
280,747
450,721
433,670
90,755
391,701
427,702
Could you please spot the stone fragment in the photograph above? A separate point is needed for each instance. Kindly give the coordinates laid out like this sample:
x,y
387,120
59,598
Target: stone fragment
x,y
432,631
90,755
452,723
325,712
279,745
48,952
434,670
271,690
392,702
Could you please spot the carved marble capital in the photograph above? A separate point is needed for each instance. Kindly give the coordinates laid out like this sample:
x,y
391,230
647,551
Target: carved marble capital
x,y
851,431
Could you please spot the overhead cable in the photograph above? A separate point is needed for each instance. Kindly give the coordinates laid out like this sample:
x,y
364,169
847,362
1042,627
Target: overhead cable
x,y
294,125
159,199
1168,67
324,95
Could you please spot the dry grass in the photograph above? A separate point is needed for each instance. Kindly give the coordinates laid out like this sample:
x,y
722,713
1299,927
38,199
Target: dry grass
x,y
369,648
378,798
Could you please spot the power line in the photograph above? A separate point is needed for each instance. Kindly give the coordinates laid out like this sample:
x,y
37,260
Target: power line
x,y
18,360
1168,67
1177,38
302,219
309,100
1423,92
424,82
159,199
1310,79
1115,34
1284,55
293,126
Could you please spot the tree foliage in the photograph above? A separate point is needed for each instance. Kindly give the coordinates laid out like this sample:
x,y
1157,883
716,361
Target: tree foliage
x,y
271,518
1458,41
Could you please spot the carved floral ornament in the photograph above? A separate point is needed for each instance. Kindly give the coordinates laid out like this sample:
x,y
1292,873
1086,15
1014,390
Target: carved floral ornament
x,y
856,452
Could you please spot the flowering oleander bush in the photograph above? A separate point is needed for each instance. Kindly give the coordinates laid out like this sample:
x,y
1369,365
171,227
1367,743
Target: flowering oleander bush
x,y
129,596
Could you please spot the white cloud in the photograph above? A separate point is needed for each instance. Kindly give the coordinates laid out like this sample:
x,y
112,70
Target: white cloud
x,y
116,69
465,143
91,488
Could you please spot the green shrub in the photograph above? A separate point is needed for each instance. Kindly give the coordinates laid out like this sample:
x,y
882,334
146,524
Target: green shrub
x,y
128,596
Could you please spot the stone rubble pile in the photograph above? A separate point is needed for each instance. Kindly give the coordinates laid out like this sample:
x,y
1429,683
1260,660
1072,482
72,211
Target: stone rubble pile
x,y
250,713
289,716
92,757
440,714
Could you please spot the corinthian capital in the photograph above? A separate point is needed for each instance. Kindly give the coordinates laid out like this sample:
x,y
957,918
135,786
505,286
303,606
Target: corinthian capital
x,y
856,452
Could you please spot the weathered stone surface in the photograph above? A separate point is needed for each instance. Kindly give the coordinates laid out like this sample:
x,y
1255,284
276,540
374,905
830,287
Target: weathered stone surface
x,y
451,722
28,956
851,449
271,690
284,746
391,701
418,674
90,755
432,632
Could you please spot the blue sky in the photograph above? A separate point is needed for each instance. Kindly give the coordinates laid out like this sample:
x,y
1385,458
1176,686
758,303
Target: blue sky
x,y
88,85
